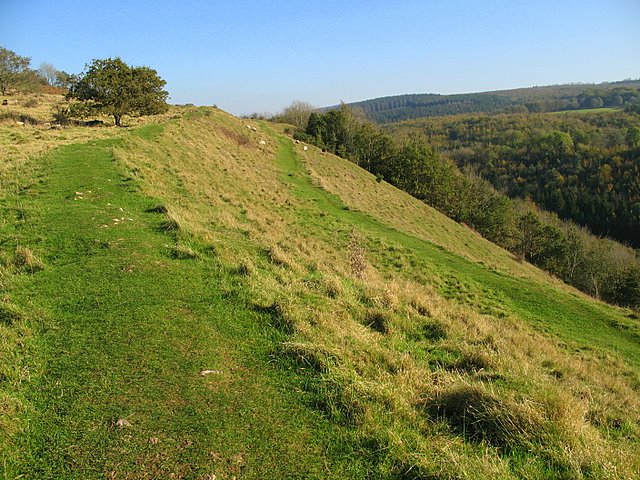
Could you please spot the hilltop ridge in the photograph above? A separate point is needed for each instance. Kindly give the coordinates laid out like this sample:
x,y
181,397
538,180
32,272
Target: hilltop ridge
x,y
397,108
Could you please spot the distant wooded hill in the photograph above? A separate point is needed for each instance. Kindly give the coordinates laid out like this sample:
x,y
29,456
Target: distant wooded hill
x,y
535,99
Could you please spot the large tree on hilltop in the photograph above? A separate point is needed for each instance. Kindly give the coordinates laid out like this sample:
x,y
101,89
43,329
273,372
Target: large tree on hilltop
x,y
112,87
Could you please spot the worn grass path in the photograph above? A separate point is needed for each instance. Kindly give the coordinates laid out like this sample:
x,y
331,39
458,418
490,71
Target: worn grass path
x,y
124,330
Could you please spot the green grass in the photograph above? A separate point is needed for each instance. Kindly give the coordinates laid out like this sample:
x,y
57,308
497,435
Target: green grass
x,y
123,332
130,265
586,111
581,324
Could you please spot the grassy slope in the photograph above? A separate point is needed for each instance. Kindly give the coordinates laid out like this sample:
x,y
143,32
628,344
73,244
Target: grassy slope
x,y
341,330
127,323
507,285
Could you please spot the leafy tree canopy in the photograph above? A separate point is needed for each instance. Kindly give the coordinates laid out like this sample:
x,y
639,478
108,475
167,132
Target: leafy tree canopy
x,y
112,87
12,69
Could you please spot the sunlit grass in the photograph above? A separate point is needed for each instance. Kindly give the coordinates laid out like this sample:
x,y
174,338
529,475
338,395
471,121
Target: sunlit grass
x,y
407,345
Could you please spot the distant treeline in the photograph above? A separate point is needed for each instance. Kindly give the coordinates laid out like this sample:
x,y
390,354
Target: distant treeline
x,y
545,99
600,267
585,168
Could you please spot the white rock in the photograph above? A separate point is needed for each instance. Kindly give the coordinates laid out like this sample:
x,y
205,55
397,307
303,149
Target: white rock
x,y
122,423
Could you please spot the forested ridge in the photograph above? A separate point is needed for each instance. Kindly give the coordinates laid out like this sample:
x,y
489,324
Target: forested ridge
x,y
585,168
625,94
599,266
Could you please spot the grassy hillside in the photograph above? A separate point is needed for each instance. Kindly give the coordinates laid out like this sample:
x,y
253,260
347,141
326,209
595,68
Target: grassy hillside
x,y
349,331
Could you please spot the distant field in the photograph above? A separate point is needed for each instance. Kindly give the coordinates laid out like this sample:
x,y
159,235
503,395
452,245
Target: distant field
x,y
587,111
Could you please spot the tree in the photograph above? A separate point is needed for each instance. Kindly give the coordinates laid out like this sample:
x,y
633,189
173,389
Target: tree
x,y
49,73
632,137
112,87
65,80
12,69
296,114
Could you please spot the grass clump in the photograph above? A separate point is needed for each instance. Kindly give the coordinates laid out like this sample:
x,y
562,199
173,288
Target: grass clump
x,y
378,320
9,314
162,209
431,330
281,318
310,357
245,268
333,287
277,256
481,416
172,222
27,261
473,361
184,252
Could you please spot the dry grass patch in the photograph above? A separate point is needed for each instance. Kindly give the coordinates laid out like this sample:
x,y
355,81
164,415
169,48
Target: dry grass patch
x,y
27,261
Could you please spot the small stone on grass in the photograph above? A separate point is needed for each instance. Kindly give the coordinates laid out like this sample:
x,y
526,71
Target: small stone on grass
x,y
122,423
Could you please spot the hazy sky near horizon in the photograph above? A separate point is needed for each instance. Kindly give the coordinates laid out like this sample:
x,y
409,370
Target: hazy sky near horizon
x,y
258,56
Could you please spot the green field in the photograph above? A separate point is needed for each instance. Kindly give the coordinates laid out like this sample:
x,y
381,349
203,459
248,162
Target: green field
x,y
586,111
344,339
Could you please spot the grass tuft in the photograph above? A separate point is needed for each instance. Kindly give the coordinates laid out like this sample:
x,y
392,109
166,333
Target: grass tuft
x,y
378,320
9,314
473,362
184,252
246,268
278,256
27,261
280,317
432,330
333,286
310,357
171,222
158,209
481,416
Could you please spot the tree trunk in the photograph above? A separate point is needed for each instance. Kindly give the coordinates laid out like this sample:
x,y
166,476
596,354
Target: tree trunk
x,y
118,119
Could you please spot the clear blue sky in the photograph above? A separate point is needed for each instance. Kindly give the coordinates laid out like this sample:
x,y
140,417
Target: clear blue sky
x,y
258,56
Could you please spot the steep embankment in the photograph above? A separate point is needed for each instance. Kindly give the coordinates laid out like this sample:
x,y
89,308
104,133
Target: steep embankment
x,y
355,333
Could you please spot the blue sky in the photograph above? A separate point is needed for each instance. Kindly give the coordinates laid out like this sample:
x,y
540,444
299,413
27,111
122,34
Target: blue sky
x,y
258,56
